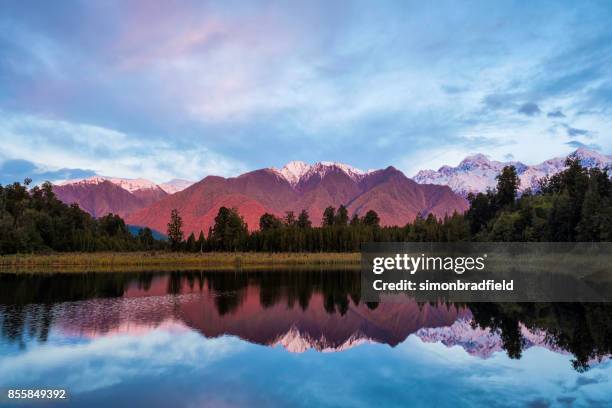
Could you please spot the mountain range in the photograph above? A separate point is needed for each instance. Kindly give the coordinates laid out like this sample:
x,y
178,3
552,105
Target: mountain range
x,y
100,195
298,185
477,173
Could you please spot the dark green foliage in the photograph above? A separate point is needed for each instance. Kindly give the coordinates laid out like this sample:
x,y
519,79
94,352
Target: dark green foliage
x,y
573,205
191,243
289,219
175,230
303,220
507,187
229,232
371,219
341,218
201,243
269,221
145,237
329,217
34,220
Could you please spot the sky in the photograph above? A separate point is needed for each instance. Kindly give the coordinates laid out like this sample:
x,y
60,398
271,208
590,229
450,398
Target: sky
x,y
185,89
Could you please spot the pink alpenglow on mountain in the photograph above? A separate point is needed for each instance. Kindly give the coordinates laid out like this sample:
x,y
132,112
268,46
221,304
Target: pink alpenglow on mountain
x,y
477,173
297,186
102,195
175,185
99,195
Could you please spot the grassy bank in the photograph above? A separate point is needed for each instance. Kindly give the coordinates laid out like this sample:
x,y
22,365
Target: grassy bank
x,y
165,260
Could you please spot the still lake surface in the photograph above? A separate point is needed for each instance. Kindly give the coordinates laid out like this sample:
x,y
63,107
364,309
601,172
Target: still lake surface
x,y
290,338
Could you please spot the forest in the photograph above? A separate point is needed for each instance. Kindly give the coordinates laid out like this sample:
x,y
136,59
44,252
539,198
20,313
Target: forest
x,y
574,205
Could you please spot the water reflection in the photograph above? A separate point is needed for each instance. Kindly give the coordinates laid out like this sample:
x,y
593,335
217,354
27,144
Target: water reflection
x,y
298,310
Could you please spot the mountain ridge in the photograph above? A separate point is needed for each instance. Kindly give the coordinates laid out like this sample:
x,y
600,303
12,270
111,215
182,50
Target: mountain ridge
x,y
395,198
476,173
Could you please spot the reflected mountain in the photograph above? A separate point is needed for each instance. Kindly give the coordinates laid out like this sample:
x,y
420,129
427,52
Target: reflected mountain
x,y
298,310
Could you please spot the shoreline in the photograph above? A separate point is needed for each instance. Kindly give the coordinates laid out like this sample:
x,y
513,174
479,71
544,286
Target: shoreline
x,y
75,261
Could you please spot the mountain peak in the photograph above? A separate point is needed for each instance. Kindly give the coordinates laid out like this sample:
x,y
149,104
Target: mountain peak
x,y
296,171
130,185
589,155
293,171
477,173
175,185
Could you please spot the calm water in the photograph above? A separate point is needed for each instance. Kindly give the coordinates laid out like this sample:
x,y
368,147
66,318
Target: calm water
x,y
300,338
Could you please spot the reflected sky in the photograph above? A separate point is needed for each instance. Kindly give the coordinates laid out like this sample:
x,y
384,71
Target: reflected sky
x,y
173,365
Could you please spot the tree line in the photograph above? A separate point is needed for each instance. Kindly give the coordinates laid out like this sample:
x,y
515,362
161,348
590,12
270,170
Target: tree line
x,y
573,205
35,220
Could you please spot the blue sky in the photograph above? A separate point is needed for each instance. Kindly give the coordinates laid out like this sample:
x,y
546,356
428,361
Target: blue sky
x,y
185,89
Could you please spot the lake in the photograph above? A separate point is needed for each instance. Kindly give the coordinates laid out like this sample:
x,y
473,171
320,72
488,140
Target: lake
x,y
290,338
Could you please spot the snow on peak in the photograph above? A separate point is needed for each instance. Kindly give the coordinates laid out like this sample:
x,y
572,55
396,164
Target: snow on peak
x,y
295,341
296,171
175,185
481,342
130,185
477,158
476,173
293,171
592,158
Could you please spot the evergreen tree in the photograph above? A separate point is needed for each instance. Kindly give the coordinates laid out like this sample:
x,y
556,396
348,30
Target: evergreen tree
x,y
145,236
341,219
201,243
191,245
290,219
329,216
303,220
269,221
507,187
371,219
229,230
175,230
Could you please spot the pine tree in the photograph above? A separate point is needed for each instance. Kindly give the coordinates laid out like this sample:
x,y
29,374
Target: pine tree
x,y
303,220
175,230
289,219
507,187
201,243
329,216
190,245
371,219
342,217
269,221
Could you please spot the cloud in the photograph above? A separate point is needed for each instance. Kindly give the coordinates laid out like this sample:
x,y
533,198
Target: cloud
x,y
576,145
529,109
509,157
555,114
197,87
17,170
575,132
62,148
498,101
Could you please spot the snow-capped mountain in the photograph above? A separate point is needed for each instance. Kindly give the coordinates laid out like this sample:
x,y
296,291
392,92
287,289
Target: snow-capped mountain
x,y
299,186
478,341
99,195
175,185
477,173
130,185
296,172
295,341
